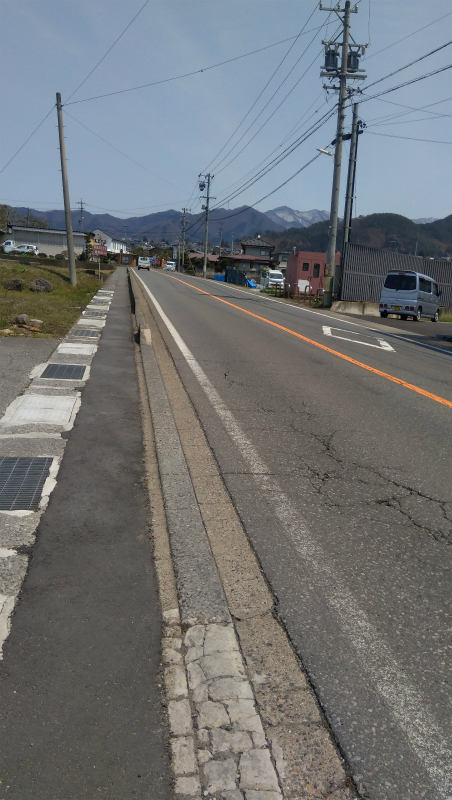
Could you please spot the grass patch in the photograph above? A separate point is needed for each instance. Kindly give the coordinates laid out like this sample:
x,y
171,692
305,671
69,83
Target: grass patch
x,y
445,319
58,309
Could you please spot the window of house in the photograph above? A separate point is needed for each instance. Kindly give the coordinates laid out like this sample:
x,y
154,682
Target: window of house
x,y
305,267
316,272
264,252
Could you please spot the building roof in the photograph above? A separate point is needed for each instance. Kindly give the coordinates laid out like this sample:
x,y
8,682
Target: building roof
x,y
257,241
210,257
14,227
259,259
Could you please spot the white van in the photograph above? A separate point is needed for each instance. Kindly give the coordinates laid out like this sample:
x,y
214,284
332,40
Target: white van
x,y
9,246
273,278
143,262
410,294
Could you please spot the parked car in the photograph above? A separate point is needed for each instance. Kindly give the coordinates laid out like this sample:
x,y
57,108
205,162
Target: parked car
x,y
9,246
410,294
272,279
171,266
143,262
31,249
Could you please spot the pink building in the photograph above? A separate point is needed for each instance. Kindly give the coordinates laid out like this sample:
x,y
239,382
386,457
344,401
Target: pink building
x,y
307,267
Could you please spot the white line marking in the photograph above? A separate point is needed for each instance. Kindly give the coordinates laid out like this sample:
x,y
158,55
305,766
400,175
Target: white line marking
x,y
381,346
404,700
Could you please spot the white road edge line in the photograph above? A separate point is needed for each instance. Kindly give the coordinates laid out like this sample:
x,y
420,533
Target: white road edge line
x,y
404,700
328,331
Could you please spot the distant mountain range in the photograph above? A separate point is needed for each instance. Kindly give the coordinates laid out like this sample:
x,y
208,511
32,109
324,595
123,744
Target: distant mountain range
x,y
382,231
289,218
288,228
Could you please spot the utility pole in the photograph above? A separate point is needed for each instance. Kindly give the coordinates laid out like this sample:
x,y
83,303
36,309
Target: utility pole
x,y
357,126
184,228
67,204
80,222
349,68
204,180
232,243
221,234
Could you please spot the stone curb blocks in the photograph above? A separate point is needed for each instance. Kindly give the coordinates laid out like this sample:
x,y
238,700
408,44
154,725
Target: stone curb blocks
x,y
218,743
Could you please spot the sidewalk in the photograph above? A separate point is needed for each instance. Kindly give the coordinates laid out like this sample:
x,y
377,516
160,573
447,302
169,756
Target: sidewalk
x,y
82,708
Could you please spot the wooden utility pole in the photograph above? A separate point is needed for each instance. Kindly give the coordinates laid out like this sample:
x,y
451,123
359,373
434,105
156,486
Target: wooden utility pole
x,y
67,204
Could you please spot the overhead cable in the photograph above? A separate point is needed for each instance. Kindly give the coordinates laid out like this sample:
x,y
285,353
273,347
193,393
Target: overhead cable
x,y
408,36
416,61
406,83
271,115
27,140
236,213
186,74
109,50
287,152
122,153
414,139
263,90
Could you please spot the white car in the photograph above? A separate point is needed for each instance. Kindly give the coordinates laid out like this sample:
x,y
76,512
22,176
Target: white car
x,y
31,249
171,266
9,246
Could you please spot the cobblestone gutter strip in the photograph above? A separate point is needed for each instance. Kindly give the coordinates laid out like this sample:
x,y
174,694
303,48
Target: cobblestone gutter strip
x,y
307,762
219,747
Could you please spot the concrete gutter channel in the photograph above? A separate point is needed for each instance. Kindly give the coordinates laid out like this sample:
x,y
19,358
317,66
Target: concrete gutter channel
x,y
245,722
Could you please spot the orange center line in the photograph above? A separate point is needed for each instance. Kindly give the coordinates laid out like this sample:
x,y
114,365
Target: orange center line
x,y
388,377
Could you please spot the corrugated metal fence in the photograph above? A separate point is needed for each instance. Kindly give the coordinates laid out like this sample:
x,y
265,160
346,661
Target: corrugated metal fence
x,y
365,268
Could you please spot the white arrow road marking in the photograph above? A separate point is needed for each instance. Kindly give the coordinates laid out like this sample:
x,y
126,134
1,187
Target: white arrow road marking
x,y
382,345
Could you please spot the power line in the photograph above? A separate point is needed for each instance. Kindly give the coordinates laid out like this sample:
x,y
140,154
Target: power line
x,y
412,138
408,36
27,140
410,111
421,58
408,121
289,150
253,170
406,83
109,50
236,213
186,74
121,152
262,111
263,90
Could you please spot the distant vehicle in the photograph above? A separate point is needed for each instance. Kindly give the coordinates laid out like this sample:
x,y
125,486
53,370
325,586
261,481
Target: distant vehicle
x,y
272,279
143,262
171,266
410,294
31,249
9,246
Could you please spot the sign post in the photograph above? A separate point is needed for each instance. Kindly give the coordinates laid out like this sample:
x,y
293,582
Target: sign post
x,y
99,250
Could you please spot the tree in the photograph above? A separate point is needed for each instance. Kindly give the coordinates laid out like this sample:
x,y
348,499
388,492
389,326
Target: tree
x,y
9,215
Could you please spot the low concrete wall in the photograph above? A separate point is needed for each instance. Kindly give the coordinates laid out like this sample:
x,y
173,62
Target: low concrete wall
x,y
372,309
352,307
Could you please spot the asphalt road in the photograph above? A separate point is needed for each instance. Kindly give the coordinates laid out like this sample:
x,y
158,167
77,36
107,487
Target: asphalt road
x,y
334,443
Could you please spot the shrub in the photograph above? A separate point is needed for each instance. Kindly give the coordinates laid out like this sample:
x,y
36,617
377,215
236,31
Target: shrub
x,y
42,255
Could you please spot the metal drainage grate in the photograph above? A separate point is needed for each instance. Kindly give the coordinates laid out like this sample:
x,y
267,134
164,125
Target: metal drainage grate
x,y
67,372
100,301
94,313
89,333
21,482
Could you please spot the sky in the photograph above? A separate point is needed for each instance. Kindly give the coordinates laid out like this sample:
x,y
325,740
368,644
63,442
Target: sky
x,y
145,148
